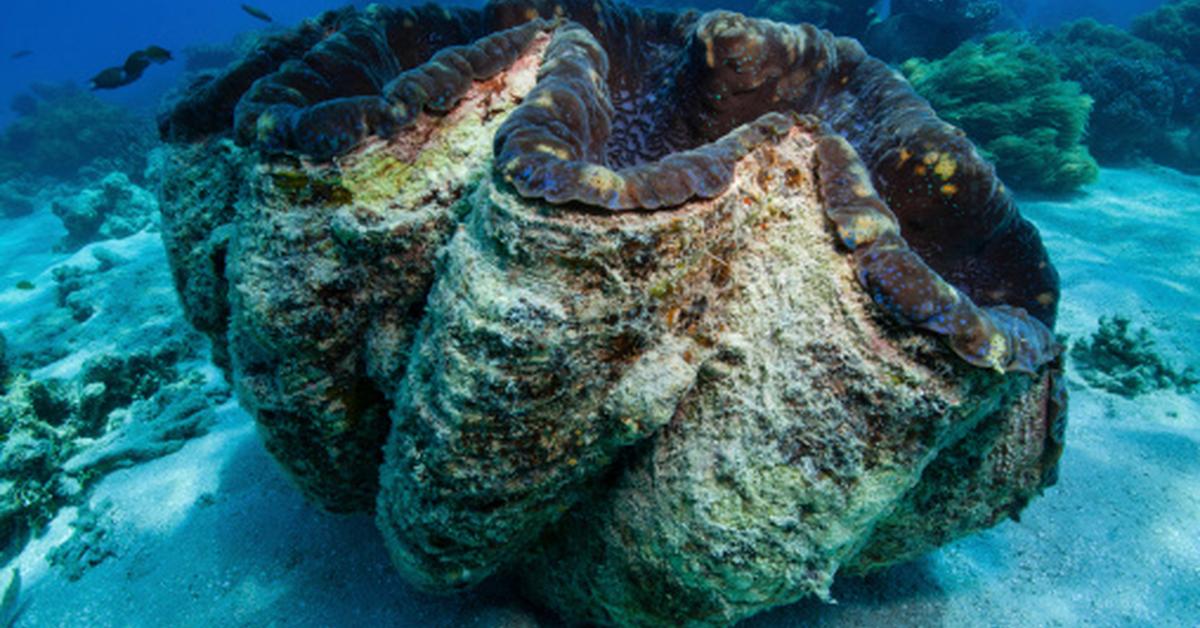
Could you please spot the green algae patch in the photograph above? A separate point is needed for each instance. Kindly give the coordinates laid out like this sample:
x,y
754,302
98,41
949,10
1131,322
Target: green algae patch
x,y
300,188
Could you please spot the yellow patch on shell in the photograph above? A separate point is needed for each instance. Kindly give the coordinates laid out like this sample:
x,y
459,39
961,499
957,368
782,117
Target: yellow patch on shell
x,y
921,170
1046,298
905,155
862,190
932,157
949,189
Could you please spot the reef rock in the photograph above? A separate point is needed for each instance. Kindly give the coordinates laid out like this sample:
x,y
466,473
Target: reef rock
x,y
65,131
15,199
116,208
679,330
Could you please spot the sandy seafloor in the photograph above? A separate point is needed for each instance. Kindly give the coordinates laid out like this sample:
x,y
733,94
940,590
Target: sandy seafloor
x,y
214,535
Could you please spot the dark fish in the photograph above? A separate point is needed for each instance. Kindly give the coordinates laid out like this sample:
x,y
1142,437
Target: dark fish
x,y
20,54
256,12
135,64
158,54
25,284
110,78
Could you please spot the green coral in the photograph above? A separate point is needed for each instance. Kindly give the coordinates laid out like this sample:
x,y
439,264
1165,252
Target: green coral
x,y
1175,26
1010,98
1123,361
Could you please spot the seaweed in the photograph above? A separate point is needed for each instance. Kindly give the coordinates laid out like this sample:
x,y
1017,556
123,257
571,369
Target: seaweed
x,y
1010,98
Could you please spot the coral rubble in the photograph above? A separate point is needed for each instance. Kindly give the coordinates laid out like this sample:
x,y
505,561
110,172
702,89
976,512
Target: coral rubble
x,y
1123,360
681,328
101,377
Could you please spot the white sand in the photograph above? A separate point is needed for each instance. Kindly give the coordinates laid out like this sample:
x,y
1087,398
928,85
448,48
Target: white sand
x,y
213,535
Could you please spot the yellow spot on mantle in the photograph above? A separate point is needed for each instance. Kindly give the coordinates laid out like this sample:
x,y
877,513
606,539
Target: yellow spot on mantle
x,y
946,166
557,151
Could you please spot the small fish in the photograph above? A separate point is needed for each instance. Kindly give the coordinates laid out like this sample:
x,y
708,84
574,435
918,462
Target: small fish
x,y
256,12
25,284
130,71
157,54
110,78
20,54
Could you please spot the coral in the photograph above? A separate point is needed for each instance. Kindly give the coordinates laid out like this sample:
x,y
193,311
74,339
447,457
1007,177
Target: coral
x,y
92,395
1009,96
16,198
1124,361
674,328
929,28
844,18
1175,26
69,130
116,208
1140,93
59,436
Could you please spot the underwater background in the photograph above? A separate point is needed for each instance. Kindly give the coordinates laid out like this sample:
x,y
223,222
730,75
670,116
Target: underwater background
x,y
136,491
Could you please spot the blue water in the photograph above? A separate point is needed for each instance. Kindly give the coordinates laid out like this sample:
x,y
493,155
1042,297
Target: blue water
x,y
73,39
